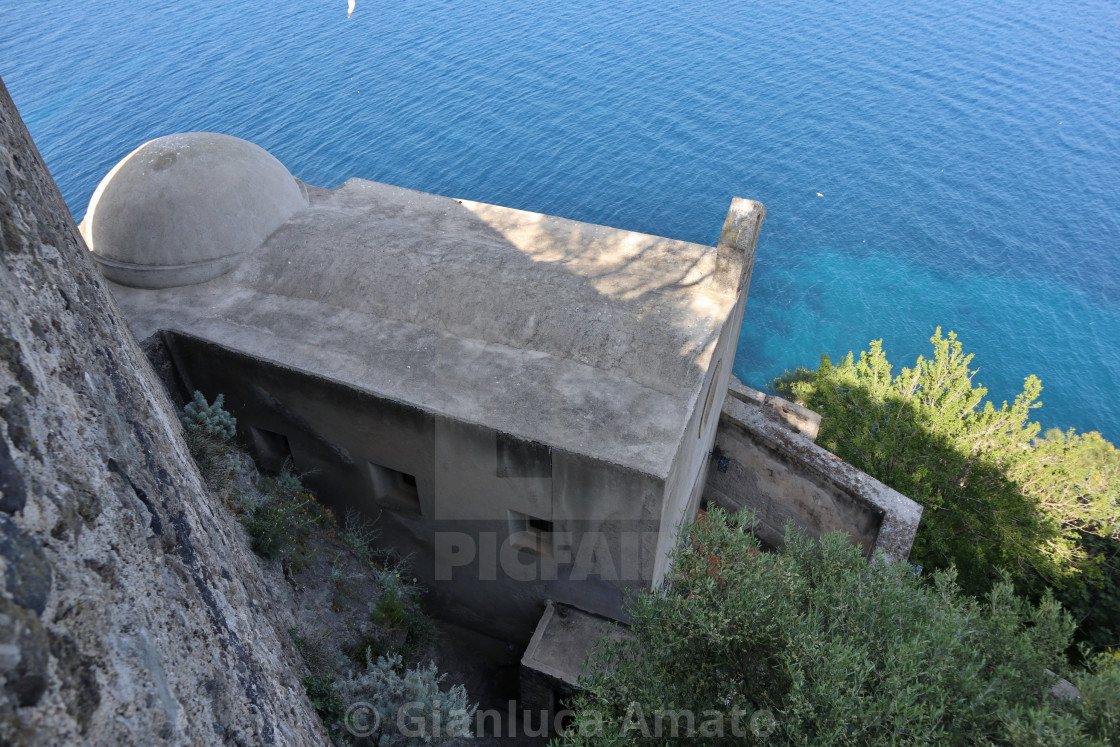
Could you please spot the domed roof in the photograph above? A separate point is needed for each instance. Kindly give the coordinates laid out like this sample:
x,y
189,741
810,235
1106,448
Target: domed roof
x,y
184,209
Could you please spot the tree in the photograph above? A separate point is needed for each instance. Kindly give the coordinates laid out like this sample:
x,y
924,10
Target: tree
x,y
814,645
996,494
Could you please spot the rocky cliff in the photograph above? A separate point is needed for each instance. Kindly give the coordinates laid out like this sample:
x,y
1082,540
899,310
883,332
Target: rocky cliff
x,y
131,610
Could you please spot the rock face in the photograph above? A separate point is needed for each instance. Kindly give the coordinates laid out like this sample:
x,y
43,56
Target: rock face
x,y
131,608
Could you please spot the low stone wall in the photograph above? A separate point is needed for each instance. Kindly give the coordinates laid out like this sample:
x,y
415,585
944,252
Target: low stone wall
x,y
764,460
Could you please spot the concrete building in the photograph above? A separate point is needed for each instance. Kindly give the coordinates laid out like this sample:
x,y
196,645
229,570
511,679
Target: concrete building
x,y
527,403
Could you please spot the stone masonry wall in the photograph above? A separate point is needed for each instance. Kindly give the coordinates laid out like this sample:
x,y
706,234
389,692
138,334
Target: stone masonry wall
x,y
131,608
763,460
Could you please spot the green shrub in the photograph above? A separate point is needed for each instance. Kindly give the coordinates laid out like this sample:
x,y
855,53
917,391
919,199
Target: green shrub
x,y
281,517
211,419
1099,706
317,652
829,650
390,610
431,715
359,534
398,609
389,613
997,495
370,645
322,691
208,430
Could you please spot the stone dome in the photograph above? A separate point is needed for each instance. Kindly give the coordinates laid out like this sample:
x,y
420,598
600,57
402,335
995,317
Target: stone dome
x,y
184,209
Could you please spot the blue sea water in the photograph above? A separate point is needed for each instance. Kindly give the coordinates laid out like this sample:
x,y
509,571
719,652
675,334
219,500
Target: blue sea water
x,y
966,152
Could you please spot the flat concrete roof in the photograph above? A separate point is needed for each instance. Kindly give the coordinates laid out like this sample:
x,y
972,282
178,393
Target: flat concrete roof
x,y
592,339
563,639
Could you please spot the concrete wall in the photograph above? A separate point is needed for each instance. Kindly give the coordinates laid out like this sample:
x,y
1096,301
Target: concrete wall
x,y
686,482
762,463
461,491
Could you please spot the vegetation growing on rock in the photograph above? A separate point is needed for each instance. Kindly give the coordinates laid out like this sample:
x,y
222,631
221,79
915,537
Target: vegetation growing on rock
x,y
362,633
209,418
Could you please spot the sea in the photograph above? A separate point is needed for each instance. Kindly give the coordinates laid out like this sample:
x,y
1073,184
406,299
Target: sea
x,y
927,163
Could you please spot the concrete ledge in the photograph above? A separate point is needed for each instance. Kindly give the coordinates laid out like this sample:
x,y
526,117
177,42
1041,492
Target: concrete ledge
x,y
563,639
762,464
557,655
166,276
797,418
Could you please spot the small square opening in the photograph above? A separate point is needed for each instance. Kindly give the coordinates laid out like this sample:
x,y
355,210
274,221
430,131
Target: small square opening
x,y
272,449
530,532
394,490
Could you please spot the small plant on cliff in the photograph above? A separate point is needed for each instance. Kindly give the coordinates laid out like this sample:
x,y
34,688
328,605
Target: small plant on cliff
x,y
398,611
359,534
209,430
322,661
390,609
210,419
408,698
282,517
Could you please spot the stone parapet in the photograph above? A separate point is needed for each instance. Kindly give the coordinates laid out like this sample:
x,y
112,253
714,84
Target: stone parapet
x,y
761,461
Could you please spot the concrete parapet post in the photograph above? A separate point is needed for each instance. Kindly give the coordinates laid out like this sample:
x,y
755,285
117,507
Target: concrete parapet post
x,y
797,418
737,242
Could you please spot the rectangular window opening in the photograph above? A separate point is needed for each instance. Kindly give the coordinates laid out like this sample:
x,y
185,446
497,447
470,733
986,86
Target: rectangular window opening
x,y
272,449
530,533
394,490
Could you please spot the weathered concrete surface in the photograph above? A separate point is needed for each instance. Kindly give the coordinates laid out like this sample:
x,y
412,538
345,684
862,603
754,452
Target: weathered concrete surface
x,y
132,611
563,639
183,209
790,414
759,462
557,655
585,337
403,344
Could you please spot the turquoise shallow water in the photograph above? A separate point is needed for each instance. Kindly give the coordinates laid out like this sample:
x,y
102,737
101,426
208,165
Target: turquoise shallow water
x,y
968,153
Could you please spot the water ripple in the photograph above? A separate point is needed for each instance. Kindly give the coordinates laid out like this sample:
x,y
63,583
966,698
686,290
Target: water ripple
x,y
967,152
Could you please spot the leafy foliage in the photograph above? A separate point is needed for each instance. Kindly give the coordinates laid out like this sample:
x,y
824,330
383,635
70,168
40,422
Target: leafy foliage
x,y
390,610
996,494
1100,696
209,430
359,534
211,419
813,645
412,698
281,518
397,610
322,691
